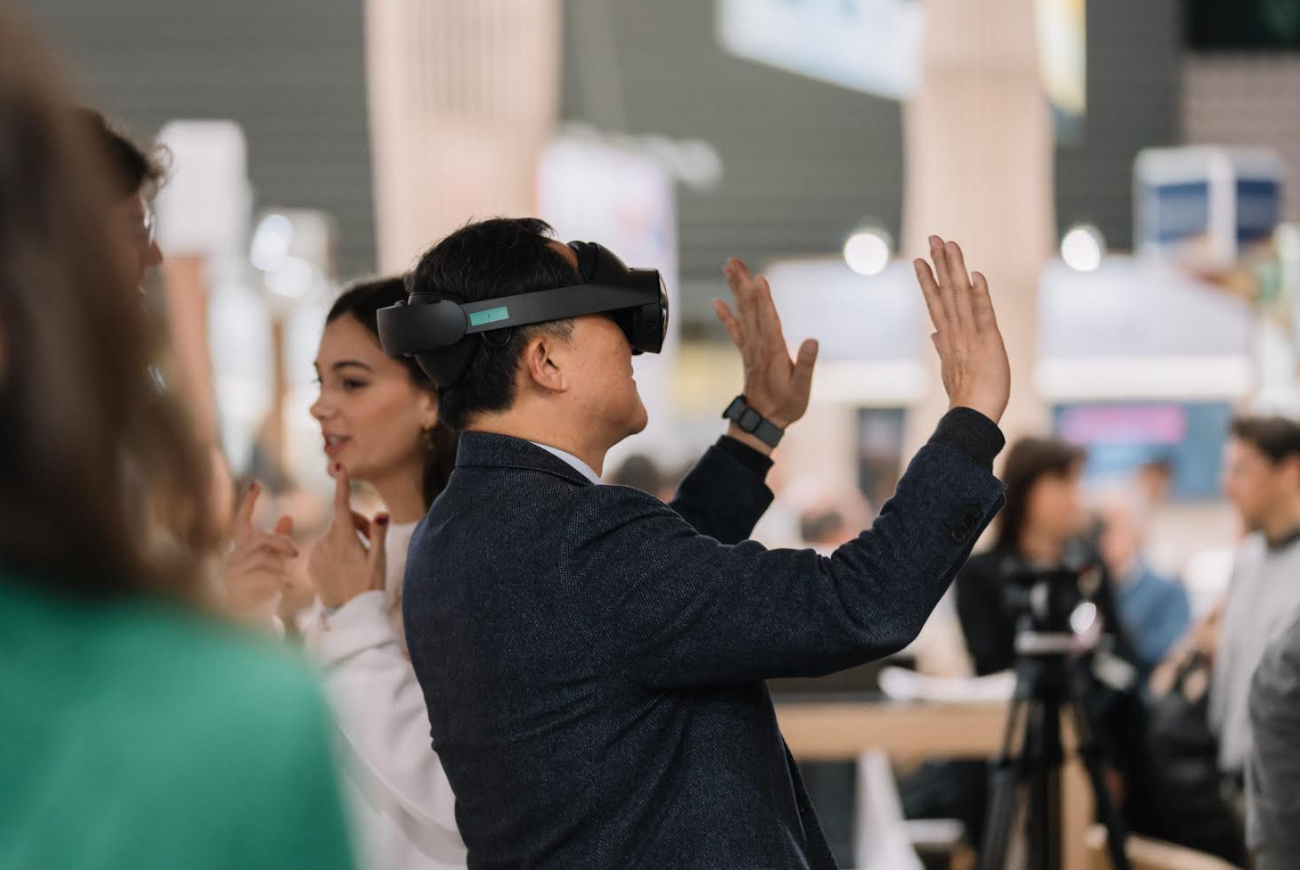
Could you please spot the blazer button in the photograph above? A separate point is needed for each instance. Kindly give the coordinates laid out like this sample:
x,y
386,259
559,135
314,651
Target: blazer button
x,y
803,808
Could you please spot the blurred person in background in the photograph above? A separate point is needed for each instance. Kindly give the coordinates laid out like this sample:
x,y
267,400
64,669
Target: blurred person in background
x,y
379,423
1272,779
641,472
1262,480
135,731
1044,526
134,175
1155,610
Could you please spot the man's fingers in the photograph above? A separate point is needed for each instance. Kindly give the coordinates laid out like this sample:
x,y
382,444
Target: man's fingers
x,y
768,318
943,271
729,320
930,290
243,523
961,285
982,303
744,288
804,363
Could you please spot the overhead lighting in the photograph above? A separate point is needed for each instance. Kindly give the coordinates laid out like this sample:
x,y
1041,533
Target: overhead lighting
x,y
271,241
1083,247
867,250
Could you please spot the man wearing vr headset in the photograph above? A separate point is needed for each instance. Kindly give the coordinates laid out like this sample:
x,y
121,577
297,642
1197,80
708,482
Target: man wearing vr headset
x,y
593,660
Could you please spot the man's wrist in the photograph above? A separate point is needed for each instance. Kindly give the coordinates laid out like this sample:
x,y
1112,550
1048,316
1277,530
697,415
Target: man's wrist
x,y
972,432
749,440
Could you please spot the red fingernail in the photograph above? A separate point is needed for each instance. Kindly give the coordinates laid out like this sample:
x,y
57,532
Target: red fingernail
x,y
382,519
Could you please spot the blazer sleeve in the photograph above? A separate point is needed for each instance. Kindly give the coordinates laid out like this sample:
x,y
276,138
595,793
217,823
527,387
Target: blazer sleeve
x,y
691,610
724,495
381,711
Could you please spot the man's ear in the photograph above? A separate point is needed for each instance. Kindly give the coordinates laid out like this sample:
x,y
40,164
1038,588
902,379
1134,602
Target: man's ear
x,y
540,365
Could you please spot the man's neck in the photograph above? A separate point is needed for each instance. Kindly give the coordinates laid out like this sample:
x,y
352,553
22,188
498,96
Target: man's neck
x,y
592,453
1282,524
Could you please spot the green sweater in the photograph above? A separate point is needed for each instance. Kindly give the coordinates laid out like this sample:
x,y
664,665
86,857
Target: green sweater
x,y
137,735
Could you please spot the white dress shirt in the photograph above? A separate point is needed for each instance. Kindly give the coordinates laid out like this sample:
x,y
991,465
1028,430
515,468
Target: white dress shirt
x,y
583,468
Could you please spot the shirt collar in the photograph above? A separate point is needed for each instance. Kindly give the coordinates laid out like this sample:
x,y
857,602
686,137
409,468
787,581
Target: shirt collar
x,y
577,464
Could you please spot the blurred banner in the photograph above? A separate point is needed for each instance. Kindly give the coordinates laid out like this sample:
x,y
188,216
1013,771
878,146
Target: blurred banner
x,y
463,97
875,45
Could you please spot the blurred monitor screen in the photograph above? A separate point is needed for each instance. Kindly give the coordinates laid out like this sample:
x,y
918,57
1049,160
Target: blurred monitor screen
x,y
1122,437
1262,24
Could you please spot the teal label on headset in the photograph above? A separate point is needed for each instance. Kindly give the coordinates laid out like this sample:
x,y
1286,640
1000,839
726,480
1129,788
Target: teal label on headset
x,y
492,315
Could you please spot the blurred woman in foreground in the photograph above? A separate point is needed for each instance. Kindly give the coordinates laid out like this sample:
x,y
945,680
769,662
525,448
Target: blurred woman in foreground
x,y
135,732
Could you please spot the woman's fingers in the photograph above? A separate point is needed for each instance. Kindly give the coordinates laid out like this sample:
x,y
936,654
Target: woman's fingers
x,y
378,556
243,521
342,491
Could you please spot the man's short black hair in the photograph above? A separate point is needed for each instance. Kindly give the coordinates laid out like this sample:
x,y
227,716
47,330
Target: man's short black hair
x,y
486,260
1275,437
131,168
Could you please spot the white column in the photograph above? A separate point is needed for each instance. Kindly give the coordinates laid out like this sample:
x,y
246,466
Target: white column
x,y
463,96
979,171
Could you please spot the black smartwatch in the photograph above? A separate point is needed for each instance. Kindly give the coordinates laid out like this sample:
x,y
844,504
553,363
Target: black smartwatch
x,y
749,420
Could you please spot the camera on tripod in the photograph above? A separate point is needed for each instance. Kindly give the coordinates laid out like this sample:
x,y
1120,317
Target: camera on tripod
x,y
1051,606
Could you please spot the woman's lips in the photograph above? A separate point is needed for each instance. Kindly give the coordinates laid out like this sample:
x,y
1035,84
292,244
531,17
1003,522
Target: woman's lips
x,y
334,444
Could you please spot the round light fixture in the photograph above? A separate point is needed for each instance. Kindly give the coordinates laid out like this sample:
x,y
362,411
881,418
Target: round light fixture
x,y
1083,247
867,249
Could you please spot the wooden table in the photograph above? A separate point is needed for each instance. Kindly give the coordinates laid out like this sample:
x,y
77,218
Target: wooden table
x,y
912,731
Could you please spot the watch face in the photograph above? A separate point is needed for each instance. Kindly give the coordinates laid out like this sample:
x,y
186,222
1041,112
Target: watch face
x,y
750,419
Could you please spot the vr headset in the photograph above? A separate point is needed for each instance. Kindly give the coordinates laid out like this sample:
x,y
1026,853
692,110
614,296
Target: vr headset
x,y
442,333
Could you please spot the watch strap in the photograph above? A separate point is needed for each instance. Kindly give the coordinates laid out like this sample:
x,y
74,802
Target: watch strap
x,y
751,421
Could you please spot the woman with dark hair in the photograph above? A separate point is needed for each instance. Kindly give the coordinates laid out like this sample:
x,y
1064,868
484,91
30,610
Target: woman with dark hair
x,y
1041,528
379,420
135,732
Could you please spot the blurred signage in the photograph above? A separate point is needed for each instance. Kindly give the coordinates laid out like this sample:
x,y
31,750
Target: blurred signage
x,y
1120,438
1206,205
868,45
875,45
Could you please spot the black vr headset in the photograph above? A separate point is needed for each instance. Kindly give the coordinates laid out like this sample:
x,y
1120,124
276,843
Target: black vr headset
x,y
442,333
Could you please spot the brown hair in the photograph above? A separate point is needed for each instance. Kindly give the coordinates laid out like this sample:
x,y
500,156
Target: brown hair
x,y
1275,437
91,451
362,301
1029,461
132,167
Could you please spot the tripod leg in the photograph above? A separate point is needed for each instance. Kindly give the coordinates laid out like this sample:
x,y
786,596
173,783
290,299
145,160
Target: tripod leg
x,y
1090,753
1045,791
1004,785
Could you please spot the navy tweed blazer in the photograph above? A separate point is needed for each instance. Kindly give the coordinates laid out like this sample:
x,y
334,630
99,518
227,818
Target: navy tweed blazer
x,y
594,660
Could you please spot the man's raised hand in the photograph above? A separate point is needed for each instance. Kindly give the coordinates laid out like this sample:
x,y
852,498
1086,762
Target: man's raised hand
x,y
973,359
775,385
